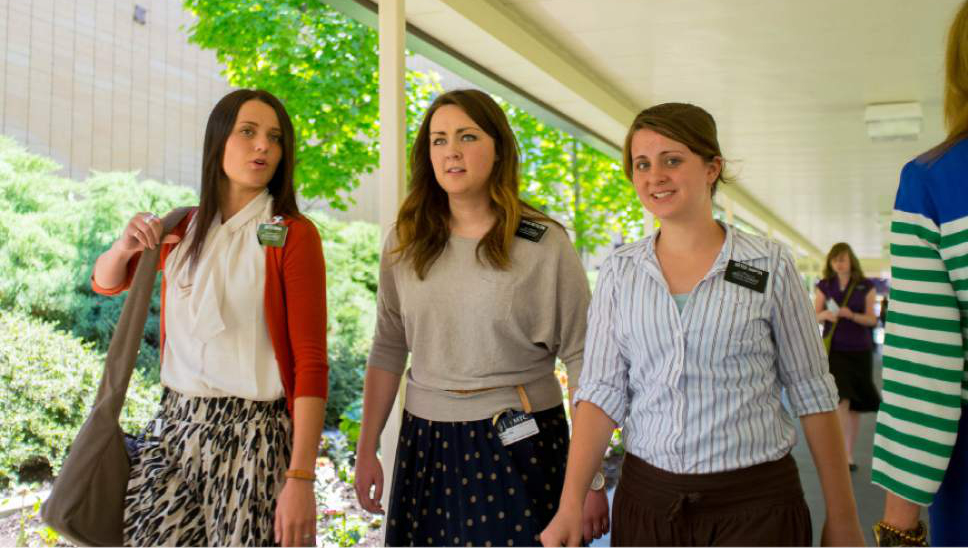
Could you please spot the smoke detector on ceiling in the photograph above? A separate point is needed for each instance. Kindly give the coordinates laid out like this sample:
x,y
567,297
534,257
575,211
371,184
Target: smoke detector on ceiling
x,y
893,121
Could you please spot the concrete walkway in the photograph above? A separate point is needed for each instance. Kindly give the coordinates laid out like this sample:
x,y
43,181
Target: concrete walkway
x,y
870,499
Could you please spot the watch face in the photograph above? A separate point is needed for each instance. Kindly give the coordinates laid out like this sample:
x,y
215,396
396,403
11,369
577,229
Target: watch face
x,y
597,482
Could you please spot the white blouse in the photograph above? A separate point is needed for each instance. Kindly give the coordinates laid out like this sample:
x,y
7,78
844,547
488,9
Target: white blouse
x,y
217,342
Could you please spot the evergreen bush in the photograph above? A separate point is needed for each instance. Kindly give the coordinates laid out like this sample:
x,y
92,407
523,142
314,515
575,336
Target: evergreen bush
x,y
48,379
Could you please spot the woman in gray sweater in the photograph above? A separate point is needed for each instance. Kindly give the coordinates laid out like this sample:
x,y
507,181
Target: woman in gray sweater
x,y
484,293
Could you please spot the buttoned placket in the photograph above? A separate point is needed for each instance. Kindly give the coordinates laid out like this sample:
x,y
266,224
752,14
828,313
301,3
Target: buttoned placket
x,y
654,270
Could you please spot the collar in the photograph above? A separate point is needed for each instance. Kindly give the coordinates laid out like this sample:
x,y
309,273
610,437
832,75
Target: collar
x,y
738,246
256,207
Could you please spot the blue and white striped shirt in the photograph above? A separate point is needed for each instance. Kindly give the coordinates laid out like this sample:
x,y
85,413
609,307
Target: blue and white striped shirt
x,y
701,390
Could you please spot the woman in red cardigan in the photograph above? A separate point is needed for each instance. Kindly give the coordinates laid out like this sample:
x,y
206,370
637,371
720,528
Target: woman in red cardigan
x,y
229,458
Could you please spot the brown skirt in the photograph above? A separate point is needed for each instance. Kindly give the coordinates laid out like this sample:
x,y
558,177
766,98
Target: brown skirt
x,y
762,505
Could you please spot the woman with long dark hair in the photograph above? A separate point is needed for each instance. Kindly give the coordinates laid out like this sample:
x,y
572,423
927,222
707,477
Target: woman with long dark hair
x,y
921,441
483,293
844,303
229,458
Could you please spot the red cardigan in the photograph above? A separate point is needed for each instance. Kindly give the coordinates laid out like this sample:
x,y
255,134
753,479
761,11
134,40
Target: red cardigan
x,y
295,306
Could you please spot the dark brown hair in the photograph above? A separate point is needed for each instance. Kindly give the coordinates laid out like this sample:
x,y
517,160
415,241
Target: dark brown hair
x,y
955,85
221,122
682,122
856,272
423,222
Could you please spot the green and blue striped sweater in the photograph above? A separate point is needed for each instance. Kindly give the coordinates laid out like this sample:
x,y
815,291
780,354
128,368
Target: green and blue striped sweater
x,y
925,381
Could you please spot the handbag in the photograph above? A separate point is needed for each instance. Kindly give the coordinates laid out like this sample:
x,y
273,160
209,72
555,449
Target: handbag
x,y
86,502
829,337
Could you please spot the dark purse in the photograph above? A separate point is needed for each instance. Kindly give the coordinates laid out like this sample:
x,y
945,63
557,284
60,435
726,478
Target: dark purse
x,y
86,502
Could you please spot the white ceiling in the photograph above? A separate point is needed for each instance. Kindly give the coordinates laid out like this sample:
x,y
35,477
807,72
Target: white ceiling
x,y
786,80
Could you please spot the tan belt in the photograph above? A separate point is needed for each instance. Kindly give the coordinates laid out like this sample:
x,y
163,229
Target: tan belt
x,y
525,402
475,391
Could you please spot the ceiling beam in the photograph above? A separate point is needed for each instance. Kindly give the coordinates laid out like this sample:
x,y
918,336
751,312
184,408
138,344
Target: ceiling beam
x,y
743,199
425,44
501,24
497,22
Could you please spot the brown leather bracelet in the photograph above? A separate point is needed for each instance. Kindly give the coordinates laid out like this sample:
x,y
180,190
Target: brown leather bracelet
x,y
295,473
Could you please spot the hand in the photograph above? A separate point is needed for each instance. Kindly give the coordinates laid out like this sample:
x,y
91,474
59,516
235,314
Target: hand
x,y
826,316
595,521
845,313
842,530
296,514
143,231
369,474
565,528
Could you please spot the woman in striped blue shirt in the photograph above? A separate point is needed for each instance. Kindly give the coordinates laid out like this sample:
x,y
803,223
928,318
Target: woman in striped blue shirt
x,y
692,334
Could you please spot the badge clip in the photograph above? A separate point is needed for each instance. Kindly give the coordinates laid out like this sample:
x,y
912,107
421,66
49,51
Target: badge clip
x,y
513,426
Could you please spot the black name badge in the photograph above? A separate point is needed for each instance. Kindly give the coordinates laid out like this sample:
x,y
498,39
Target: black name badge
x,y
747,276
530,230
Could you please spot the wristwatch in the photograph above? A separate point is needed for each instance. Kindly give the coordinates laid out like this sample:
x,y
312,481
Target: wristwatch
x,y
598,482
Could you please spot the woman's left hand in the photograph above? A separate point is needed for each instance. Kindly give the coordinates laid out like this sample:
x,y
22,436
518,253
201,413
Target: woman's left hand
x,y
842,530
845,313
296,514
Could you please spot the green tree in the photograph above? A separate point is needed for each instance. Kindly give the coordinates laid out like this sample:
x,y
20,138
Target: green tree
x,y
575,183
324,67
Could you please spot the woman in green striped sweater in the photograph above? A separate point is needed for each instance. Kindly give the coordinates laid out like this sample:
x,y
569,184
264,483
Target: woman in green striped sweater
x,y
921,441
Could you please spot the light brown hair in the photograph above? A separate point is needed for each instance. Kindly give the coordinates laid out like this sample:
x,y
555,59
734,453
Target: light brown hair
x,y
682,122
955,85
856,272
423,222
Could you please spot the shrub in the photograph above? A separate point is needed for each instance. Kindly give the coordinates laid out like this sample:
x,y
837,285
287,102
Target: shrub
x,y
48,380
352,269
51,231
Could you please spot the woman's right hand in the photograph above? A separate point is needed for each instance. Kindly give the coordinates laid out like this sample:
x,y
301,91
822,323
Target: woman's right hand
x,y
565,528
369,475
826,316
143,232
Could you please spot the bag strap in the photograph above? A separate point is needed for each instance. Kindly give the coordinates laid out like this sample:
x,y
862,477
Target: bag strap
x,y
829,338
129,331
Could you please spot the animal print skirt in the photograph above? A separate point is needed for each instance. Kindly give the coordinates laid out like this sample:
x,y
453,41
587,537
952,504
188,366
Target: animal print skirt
x,y
208,473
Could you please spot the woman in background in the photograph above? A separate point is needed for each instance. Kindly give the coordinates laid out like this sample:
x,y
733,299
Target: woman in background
x,y
844,302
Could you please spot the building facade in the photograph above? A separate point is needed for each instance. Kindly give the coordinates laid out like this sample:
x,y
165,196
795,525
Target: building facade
x,y
107,85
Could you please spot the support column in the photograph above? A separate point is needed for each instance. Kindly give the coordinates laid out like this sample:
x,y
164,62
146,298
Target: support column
x,y
393,110
392,25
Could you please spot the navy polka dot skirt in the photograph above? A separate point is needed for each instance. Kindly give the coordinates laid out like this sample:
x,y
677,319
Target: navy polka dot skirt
x,y
455,484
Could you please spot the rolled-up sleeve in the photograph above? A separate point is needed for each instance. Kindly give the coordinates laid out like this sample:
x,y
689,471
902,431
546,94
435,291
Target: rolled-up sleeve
x,y
801,360
605,373
389,350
